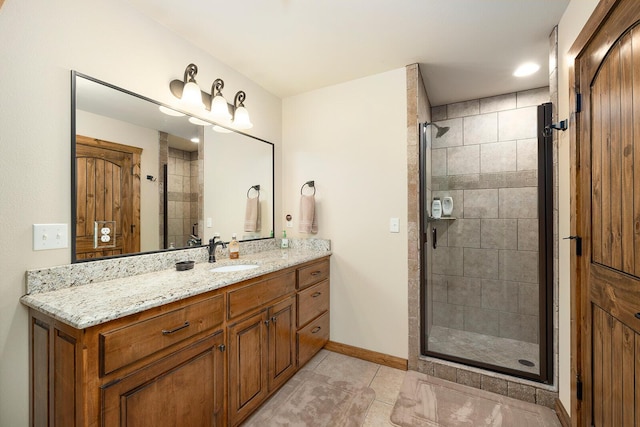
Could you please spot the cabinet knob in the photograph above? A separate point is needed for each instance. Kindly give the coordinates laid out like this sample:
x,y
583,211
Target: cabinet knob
x,y
273,319
222,347
266,322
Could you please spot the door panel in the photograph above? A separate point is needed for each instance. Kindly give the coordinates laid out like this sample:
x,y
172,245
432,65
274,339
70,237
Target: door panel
x,y
608,137
108,189
614,360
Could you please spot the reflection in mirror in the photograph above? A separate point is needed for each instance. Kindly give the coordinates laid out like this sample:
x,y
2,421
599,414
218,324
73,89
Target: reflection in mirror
x,y
142,182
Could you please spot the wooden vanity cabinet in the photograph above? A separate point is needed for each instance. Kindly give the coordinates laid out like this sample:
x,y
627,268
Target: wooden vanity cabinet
x,y
313,309
186,385
210,359
262,345
156,367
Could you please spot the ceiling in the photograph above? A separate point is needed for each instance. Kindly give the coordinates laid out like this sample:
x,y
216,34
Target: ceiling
x,y
466,49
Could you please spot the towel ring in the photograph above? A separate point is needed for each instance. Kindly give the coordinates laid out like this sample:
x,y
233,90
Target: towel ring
x,y
311,184
253,187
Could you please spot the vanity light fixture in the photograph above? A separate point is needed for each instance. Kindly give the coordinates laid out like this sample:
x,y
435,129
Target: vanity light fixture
x,y
191,94
219,106
214,106
240,114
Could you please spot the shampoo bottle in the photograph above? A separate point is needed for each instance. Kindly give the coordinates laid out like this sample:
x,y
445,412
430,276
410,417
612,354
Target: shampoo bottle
x,y
436,208
284,243
234,248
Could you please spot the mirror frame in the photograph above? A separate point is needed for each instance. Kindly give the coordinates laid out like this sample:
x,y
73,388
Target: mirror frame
x,y
74,259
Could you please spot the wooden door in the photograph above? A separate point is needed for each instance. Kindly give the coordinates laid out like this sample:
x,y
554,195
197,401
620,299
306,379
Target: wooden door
x,y
282,342
247,366
608,220
107,189
185,388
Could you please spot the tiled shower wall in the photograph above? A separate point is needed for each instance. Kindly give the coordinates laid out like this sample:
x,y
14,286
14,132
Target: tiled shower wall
x,y
485,265
182,207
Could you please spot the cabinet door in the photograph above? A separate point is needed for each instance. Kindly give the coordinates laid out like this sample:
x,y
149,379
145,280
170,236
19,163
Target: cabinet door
x,y
247,366
184,388
282,344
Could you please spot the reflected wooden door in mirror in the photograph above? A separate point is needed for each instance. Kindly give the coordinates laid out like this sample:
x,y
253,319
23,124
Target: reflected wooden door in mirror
x,y
107,198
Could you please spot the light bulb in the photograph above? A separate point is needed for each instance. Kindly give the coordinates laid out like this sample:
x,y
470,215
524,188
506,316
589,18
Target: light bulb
x,y
219,109
241,119
191,95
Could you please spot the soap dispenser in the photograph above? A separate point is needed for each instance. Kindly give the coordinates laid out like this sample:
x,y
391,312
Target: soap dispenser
x,y
284,243
447,206
234,247
436,208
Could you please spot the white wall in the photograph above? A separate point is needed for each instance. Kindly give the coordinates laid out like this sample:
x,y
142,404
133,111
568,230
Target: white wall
x,y
351,139
42,41
233,164
570,25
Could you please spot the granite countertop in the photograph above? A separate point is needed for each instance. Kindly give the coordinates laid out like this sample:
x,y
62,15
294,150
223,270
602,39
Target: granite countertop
x,y
99,302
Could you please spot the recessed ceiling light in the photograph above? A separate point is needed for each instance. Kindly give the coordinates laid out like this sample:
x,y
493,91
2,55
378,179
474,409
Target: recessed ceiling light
x,y
526,69
195,139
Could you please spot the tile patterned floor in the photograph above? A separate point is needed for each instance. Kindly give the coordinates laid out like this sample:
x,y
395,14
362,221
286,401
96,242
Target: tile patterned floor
x,y
485,348
387,383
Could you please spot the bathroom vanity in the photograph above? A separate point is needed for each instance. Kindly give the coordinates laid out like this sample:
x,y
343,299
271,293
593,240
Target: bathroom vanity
x,y
172,348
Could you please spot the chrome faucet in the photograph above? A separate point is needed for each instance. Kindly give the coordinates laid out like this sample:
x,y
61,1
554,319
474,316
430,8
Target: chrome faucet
x,y
212,247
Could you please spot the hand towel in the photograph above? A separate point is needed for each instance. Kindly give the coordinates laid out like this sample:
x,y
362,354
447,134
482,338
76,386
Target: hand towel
x,y
308,223
252,214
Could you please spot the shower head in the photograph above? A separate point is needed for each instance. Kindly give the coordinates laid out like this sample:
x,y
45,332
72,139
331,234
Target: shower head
x,y
441,129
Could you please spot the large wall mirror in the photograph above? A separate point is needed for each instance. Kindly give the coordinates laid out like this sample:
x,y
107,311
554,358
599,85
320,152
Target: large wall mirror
x,y
146,179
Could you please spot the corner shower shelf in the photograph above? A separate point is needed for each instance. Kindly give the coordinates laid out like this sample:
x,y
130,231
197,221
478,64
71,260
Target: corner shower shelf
x,y
442,218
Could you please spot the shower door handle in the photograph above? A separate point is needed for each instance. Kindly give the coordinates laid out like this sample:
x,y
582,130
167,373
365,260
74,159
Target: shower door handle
x,y
434,231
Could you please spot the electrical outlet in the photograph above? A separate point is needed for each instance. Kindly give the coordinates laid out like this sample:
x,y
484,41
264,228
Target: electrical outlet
x,y
50,236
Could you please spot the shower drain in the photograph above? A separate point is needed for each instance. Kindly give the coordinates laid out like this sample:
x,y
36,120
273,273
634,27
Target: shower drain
x,y
526,362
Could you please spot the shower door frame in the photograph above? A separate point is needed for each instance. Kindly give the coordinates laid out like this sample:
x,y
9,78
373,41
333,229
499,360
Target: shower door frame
x,y
545,250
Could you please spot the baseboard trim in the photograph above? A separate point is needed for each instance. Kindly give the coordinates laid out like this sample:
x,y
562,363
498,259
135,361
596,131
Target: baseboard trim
x,y
562,414
368,355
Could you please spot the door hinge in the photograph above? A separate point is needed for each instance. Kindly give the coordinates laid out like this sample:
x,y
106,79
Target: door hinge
x,y
578,102
578,388
578,240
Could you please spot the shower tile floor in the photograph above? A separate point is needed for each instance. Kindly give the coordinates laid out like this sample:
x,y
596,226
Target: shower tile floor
x,y
498,351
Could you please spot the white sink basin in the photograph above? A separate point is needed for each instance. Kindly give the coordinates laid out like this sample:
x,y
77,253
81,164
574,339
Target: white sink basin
x,y
234,267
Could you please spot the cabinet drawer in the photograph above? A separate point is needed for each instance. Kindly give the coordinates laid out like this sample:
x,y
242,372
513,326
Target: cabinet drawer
x,y
313,273
312,338
313,301
123,346
254,296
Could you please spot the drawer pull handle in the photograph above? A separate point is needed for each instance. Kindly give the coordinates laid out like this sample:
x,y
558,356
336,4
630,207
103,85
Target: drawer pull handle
x,y
171,331
316,294
316,273
316,329
637,315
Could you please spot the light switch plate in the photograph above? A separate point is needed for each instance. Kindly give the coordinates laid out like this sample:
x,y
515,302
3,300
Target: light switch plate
x,y
50,236
394,225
